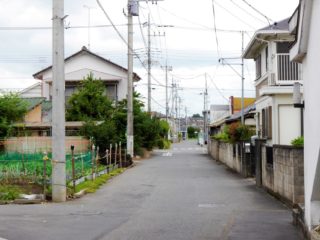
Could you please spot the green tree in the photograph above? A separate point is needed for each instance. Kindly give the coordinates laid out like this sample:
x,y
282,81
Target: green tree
x,y
89,102
12,109
192,132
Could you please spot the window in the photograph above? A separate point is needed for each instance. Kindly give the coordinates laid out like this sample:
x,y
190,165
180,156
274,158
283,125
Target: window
x,y
258,67
111,92
267,122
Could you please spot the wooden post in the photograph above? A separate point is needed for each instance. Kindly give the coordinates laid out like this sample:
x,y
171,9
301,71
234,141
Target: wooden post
x,y
92,162
115,155
73,170
82,165
45,159
120,155
107,160
110,154
97,160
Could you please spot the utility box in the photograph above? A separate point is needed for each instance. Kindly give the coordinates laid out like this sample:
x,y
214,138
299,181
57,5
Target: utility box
x,y
134,7
247,148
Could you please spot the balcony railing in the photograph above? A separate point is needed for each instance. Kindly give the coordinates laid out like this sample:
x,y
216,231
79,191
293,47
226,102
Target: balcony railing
x,y
287,72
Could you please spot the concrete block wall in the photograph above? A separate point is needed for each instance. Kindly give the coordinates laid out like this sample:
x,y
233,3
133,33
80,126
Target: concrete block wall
x,y
284,176
289,173
224,152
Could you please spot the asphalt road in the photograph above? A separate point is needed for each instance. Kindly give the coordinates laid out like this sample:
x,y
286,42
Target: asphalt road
x,y
179,194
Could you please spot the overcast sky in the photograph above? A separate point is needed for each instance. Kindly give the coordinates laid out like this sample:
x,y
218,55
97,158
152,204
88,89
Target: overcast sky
x,y
189,45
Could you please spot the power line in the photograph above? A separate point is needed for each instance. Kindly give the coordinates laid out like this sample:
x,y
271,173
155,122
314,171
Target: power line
x,y
122,38
235,16
215,27
247,12
268,19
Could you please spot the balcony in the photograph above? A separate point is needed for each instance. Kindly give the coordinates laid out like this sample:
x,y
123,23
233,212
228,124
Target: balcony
x,y
286,72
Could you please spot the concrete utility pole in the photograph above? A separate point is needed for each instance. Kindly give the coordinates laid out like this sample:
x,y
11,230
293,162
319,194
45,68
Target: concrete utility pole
x,y
167,68
149,65
242,80
130,82
59,192
205,111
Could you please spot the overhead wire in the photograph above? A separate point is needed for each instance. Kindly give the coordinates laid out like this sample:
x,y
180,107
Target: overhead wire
x,y
235,16
215,28
122,38
255,9
247,12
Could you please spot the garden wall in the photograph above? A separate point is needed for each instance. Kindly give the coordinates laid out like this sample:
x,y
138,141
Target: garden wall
x,y
43,143
227,153
280,168
283,172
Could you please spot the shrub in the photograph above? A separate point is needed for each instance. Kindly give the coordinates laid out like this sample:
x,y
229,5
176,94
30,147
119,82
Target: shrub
x,y
8,193
234,132
298,142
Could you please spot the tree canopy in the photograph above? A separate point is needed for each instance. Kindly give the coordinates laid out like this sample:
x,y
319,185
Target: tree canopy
x,y
106,124
89,102
12,109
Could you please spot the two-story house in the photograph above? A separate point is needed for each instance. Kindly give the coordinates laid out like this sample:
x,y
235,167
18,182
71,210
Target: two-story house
x,y
304,25
80,65
277,120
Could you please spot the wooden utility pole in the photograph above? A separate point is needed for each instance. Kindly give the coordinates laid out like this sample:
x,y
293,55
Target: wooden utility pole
x,y
58,105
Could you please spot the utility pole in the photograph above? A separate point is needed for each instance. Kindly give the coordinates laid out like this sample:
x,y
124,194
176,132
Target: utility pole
x,y
131,7
242,79
149,65
59,193
89,23
205,111
222,60
167,68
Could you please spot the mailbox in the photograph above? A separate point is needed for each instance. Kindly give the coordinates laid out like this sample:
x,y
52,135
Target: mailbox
x,y
247,148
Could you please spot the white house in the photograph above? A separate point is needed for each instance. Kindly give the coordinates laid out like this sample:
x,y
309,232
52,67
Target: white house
x,y
276,119
33,91
306,49
80,65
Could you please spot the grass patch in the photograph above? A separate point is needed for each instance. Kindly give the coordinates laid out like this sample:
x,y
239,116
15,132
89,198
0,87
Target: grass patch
x,y
92,186
9,192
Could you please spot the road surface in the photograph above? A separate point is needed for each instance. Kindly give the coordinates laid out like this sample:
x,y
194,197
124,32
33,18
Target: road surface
x,y
180,194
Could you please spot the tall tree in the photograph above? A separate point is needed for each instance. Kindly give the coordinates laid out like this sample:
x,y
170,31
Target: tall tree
x,y
89,102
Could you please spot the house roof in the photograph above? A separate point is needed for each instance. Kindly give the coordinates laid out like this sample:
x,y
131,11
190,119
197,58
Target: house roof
x,y
30,87
84,50
247,111
33,102
281,25
278,30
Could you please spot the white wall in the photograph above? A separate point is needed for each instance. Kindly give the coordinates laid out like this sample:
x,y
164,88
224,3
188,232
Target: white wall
x,y
88,62
286,120
289,124
311,78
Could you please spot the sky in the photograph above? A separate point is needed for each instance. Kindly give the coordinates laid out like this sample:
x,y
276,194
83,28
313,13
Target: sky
x,y
188,43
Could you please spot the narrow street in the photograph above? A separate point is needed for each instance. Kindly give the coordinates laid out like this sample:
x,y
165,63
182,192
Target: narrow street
x,y
181,194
